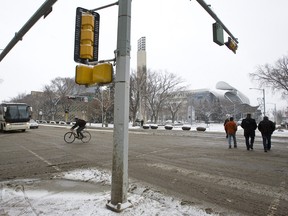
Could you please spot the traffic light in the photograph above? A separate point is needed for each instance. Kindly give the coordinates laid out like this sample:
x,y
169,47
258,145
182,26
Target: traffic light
x,y
88,75
218,34
102,73
86,36
231,44
83,75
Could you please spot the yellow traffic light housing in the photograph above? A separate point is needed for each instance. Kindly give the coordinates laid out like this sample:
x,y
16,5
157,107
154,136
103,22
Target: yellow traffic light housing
x,y
87,75
102,73
86,36
83,75
232,45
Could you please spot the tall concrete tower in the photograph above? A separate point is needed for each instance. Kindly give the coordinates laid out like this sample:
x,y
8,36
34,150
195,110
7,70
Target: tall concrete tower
x,y
141,53
142,74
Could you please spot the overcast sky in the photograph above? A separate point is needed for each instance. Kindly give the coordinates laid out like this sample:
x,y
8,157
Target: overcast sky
x,y
178,35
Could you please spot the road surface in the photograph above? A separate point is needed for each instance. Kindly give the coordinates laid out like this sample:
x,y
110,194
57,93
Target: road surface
x,y
196,167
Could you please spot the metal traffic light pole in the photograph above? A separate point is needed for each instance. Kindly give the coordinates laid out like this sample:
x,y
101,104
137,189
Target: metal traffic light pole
x,y
119,187
44,10
214,16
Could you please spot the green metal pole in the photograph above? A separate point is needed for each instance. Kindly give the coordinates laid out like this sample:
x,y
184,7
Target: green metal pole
x,y
44,10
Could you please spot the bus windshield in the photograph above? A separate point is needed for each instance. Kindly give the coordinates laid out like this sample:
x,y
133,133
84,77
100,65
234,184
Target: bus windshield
x,y
17,113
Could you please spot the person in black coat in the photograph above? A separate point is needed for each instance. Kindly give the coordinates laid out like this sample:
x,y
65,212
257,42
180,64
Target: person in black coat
x,y
80,123
249,125
266,127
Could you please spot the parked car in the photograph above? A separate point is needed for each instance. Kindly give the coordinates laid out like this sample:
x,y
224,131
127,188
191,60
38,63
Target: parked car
x,y
33,124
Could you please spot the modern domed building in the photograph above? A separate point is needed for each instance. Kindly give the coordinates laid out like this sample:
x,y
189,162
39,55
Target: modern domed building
x,y
215,105
235,97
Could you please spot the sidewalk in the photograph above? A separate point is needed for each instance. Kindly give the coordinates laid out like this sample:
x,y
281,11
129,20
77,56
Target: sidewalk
x,y
85,192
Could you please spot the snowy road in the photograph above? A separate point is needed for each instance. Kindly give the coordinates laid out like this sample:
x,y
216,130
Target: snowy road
x,y
194,167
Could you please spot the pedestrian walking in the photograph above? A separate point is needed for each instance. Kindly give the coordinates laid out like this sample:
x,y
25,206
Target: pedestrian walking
x,y
249,125
231,128
266,127
226,120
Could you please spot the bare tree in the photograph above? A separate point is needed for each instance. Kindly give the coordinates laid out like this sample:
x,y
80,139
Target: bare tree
x,y
174,108
209,109
177,106
217,111
62,88
160,87
279,116
108,102
20,98
35,100
103,104
50,103
137,90
63,95
273,76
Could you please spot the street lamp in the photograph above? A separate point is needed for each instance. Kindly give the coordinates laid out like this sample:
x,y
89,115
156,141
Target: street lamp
x,y
263,91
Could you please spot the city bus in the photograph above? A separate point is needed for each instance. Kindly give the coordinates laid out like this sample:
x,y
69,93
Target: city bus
x,y
14,116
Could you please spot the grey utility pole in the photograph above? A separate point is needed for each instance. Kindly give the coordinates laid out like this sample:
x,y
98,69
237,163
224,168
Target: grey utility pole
x,y
119,186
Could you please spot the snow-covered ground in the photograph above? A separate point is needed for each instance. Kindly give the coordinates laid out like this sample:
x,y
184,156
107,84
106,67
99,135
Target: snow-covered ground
x,y
86,192
215,128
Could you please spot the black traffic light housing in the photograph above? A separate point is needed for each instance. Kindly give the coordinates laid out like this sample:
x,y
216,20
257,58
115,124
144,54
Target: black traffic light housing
x,y
86,36
218,37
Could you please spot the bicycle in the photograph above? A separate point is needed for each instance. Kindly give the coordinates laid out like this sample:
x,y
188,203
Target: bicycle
x,y
70,136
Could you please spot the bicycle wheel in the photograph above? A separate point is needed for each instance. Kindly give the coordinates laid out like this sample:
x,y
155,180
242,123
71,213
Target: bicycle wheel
x,y
86,136
69,137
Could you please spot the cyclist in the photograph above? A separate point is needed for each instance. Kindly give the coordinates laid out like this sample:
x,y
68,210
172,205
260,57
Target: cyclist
x,y
80,123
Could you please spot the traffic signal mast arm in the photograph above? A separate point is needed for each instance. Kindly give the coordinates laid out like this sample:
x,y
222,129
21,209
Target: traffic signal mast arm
x,y
102,61
214,16
44,10
106,6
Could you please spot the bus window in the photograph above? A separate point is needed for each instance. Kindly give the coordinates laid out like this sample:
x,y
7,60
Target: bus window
x,y
23,112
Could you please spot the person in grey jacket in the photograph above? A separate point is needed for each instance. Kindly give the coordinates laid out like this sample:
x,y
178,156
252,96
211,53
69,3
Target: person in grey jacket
x,y
266,127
